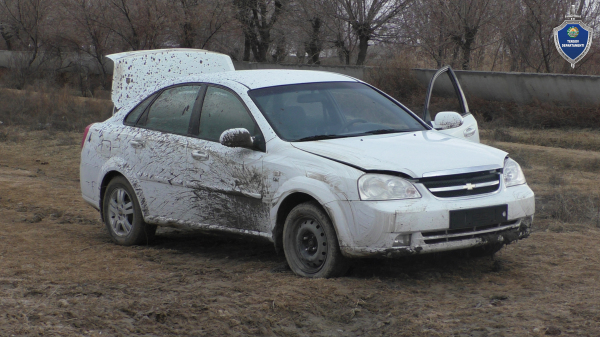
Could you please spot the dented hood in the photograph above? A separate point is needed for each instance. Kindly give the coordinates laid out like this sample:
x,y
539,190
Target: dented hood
x,y
415,153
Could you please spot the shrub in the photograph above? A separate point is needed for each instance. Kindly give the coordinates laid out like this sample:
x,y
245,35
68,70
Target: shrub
x,y
395,78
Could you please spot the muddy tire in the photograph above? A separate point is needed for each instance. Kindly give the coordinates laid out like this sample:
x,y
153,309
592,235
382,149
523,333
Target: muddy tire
x,y
311,244
123,216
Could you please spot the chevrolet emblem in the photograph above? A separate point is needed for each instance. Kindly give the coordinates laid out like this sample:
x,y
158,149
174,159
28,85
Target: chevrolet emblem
x,y
470,186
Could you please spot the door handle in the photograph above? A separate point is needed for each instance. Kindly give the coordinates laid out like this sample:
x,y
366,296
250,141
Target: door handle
x,y
137,143
199,155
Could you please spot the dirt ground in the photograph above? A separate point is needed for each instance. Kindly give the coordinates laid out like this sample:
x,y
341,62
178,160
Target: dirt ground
x,y
60,275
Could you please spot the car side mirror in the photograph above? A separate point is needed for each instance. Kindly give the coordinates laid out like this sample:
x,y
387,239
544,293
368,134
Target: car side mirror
x,y
448,120
239,137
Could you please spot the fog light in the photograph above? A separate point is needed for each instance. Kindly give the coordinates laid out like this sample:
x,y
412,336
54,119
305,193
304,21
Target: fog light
x,y
402,240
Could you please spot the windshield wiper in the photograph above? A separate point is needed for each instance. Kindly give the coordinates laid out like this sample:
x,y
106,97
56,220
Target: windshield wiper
x,y
383,131
372,132
320,137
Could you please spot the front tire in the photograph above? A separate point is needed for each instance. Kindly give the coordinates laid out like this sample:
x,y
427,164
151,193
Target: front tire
x,y
310,243
123,216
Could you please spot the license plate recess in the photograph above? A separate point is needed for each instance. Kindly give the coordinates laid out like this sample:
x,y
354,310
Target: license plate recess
x,y
477,217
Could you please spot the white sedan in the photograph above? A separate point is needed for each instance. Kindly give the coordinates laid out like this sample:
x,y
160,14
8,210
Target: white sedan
x,y
325,166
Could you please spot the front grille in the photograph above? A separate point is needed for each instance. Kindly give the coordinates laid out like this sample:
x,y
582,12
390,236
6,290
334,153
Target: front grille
x,y
467,233
460,185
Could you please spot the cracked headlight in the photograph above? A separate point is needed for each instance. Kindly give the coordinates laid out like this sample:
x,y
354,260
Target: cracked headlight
x,y
385,187
513,175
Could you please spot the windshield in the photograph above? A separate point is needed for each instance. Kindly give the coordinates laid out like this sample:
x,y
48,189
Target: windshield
x,y
316,111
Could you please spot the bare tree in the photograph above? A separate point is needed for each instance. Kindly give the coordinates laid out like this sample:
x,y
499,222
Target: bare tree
x,y
188,22
590,14
304,22
314,26
368,19
460,32
25,20
7,31
140,24
470,34
430,30
258,17
343,38
314,45
197,22
85,32
541,16
467,19
530,43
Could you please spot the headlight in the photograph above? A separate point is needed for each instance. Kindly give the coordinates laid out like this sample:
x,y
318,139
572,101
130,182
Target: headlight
x,y
385,187
513,175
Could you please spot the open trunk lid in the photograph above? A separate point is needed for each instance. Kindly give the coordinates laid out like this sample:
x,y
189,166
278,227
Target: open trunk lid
x,y
137,74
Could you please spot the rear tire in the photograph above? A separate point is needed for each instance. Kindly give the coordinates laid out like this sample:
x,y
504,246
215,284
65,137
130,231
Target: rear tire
x,y
123,216
310,243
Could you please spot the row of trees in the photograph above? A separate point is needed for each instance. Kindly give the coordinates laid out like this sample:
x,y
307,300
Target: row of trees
x,y
469,34
512,35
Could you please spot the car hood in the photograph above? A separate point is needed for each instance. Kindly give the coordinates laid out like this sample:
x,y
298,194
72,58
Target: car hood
x,y
414,153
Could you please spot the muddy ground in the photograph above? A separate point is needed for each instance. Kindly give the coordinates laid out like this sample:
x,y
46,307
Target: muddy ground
x,y
60,275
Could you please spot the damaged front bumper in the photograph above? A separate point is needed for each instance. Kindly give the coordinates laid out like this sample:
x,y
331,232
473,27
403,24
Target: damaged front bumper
x,y
447,240
418,226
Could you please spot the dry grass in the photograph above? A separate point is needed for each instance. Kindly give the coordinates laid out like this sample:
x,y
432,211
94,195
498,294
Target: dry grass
x,y
566,182
576,139
554,159
62,276
53,109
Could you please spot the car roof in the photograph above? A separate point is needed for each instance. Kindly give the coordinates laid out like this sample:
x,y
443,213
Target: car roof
x,y
255,79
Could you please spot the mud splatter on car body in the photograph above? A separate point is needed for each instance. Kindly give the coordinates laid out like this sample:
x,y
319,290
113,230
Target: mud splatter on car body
x,y
195,180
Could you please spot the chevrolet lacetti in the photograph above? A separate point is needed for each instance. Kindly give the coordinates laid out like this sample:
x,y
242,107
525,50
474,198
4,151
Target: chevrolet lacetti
x,y
325,166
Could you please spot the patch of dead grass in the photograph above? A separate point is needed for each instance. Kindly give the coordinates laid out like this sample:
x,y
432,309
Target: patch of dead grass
x,y
574,139
555,159
566,182
52,109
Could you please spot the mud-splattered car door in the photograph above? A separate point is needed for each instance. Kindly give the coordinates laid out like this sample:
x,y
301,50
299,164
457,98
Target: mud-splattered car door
x,y
161,150
227,183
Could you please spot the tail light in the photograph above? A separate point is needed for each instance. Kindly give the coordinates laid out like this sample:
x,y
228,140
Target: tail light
x,y
85,133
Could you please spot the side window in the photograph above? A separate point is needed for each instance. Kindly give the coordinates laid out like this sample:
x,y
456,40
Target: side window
x,y
222,110
135,114
172,109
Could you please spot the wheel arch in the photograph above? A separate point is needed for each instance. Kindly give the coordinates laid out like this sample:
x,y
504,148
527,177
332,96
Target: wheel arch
x,y
110,175
289,202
